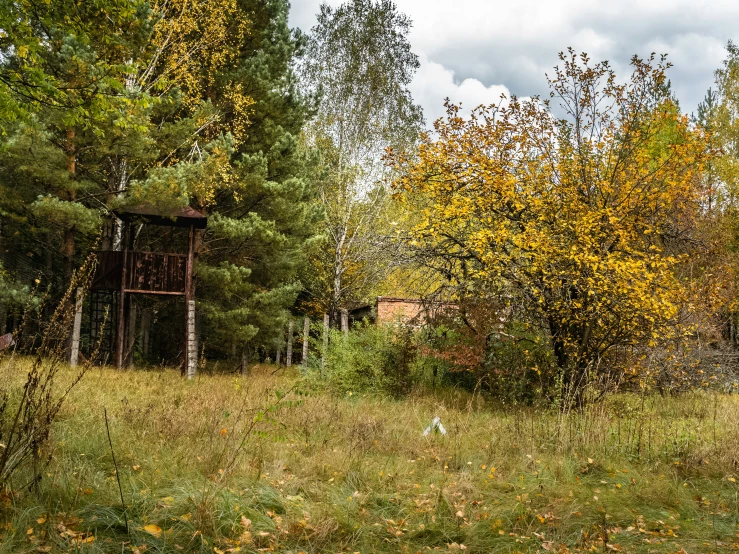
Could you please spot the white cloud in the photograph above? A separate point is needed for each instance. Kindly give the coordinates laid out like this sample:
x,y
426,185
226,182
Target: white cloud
x,y
434,83
472,49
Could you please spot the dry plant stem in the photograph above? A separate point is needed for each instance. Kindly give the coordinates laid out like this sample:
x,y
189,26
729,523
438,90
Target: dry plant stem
x,y
115,465
28,430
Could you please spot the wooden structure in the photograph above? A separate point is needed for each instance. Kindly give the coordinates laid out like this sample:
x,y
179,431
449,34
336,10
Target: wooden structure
x,y
126,271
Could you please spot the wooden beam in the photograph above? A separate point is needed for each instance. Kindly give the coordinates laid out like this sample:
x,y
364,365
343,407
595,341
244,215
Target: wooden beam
x,y
166,292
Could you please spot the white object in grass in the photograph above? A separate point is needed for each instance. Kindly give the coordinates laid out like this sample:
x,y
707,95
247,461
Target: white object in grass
x,y
435,426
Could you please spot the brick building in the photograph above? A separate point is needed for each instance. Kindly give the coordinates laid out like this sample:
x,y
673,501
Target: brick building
x,y
391,309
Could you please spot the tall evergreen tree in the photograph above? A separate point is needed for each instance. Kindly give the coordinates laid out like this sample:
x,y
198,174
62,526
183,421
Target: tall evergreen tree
x,y
248,275
178,103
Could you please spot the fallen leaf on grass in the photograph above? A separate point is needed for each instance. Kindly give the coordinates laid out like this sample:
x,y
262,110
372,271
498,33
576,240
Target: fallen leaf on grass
x,y
153,529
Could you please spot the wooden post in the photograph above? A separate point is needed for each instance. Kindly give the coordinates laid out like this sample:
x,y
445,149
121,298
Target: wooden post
x,y
306,342
74,355
145,333
131,341
121,334
278,355
289,351
326,326
345,321
191,345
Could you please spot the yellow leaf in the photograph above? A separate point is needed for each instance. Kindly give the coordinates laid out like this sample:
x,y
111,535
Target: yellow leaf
x,y
153,529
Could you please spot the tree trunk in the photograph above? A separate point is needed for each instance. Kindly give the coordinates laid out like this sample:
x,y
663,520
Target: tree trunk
x,y
3,307
345,321
306,342
74,354
338,274
289,352
326,327
68,245
244,361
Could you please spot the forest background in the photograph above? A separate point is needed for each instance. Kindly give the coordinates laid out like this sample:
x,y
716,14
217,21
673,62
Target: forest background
x,y
586,239
571,389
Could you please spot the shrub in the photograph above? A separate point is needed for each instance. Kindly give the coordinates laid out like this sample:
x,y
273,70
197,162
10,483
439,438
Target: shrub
x,y
369,359
508,362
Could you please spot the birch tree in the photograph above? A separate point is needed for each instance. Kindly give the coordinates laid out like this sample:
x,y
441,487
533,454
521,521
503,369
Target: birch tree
x,y
359,60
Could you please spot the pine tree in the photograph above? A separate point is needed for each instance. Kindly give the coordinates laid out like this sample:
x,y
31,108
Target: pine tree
x,y
254,248
200,107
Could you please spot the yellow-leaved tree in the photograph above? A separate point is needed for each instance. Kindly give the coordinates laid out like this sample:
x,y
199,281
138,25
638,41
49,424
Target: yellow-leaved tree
x,y
578,214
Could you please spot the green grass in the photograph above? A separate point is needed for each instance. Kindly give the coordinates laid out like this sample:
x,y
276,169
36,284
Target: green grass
x,y
227,464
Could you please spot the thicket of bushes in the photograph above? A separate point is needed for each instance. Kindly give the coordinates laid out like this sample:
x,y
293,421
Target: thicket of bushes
x,y
393,359
513,364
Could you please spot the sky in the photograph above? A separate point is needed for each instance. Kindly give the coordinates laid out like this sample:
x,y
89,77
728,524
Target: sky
x,y
472,51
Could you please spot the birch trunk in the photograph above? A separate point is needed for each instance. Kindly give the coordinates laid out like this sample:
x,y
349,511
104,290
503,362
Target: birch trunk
x,y
289,352
74,354
306,342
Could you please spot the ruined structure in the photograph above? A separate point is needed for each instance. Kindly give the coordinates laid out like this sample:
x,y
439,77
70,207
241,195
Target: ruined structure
x,y
124,271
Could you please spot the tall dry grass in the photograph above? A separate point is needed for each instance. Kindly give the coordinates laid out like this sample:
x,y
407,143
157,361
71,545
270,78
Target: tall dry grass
x,y
233,464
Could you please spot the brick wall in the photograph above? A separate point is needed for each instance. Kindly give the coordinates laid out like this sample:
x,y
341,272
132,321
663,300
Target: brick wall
x,y
390,310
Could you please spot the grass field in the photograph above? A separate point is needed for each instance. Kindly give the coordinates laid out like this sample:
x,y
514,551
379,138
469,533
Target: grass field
x,y
257,464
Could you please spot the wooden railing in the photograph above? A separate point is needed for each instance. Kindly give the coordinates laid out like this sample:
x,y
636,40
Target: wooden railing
x,y
146,272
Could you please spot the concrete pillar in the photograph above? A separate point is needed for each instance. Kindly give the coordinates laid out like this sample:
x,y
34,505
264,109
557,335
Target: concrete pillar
x,y
192,341
74,354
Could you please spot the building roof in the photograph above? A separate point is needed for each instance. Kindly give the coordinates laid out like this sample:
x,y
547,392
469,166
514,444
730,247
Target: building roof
x,y
178,217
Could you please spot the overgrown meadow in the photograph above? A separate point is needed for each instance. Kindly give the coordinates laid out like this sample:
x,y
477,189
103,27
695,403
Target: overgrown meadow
x,y
268,463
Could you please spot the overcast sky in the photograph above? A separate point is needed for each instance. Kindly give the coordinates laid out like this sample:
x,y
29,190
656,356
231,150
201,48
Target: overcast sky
x,y
474,50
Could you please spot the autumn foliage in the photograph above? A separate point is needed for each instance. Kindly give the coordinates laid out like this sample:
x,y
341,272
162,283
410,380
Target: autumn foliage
x,y
579,210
